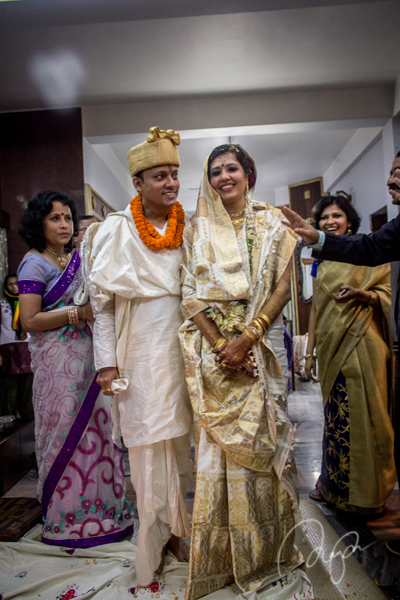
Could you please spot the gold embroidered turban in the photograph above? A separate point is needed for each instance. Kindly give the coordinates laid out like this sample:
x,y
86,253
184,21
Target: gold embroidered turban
x,y
160,148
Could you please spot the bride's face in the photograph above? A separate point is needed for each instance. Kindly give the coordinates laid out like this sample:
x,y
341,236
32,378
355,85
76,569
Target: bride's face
x,y
228,178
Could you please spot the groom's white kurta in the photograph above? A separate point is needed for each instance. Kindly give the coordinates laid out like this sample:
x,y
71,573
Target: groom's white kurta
x,y
135,294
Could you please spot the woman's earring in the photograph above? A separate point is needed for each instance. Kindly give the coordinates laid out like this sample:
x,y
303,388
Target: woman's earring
x,y
349,232
246,189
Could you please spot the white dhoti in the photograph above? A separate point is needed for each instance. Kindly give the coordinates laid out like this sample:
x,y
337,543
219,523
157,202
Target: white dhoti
x,y
161,475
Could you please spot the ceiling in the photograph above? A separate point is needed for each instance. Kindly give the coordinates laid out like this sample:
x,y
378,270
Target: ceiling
x,y
44,63
60,53
77,12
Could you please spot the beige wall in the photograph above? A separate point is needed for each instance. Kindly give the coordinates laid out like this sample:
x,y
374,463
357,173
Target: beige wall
x,y
234,110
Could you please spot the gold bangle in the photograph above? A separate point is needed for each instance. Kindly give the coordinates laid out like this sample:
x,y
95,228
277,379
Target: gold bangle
x,y
258,327
253,339
372,298
258,331
221,340
259,322
265,318
308,356
262,323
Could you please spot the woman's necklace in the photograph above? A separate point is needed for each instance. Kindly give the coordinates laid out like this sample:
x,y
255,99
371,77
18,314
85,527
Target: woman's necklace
x,y
238,219
238,214
59,257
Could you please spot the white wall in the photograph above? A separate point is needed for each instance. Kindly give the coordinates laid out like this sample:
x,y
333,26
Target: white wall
x,y
107,178
366,183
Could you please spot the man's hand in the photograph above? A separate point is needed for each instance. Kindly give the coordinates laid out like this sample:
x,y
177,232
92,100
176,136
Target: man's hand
x,y
306,231
105,377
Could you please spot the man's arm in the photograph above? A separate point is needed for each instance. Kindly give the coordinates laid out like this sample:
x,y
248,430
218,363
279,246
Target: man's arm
x,y
104,347
370,250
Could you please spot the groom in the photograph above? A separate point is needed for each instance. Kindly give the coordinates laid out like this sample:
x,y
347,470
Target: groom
x,y
135,294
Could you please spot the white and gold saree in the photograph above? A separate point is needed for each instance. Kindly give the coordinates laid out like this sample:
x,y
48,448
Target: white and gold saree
x,y
246,493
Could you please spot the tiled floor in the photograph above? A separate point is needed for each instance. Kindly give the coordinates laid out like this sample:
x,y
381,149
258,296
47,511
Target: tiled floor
x,y
305,410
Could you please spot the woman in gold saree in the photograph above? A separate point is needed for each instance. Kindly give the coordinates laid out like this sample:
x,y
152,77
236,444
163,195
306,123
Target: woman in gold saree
x,y
350,329
235,282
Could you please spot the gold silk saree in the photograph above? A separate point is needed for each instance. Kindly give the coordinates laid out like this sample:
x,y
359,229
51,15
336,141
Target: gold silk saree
x,y
246,496
353,345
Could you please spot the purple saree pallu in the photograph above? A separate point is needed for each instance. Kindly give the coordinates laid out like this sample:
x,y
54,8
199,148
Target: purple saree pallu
x,y
81,480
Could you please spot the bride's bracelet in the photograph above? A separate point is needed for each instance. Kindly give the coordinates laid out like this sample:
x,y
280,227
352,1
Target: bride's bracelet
x,y
221,340
308,356
252,334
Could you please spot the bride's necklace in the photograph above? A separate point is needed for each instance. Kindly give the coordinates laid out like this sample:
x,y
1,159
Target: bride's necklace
x,y
238,219
59,257
238,214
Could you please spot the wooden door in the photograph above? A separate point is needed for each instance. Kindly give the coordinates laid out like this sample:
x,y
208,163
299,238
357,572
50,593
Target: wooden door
x,y
303,197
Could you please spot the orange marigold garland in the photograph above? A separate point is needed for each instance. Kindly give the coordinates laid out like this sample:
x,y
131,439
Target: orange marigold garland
x,y
149,234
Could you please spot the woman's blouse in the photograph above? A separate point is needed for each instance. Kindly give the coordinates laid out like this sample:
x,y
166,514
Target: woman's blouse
x,y
36,275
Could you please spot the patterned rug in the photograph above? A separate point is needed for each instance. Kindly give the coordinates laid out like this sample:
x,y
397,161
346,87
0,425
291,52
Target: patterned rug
x,y
17,516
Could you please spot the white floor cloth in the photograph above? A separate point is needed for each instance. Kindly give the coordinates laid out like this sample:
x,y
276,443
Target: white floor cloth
x,y
29,569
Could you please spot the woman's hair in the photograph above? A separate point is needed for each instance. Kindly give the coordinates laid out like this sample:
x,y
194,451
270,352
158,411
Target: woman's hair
x,y
344,205
39,207
243,158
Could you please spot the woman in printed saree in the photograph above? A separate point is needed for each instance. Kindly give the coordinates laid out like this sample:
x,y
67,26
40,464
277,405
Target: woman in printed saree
x,y
236,281
350,329
81,483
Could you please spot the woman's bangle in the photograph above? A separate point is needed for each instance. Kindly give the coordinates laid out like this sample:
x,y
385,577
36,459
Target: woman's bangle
x,y
308,356
250,335
264,318
372,298
221,340
73,318
260,327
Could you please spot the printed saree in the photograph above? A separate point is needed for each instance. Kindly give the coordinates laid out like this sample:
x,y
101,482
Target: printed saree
x,y
81,480
246,496
353,345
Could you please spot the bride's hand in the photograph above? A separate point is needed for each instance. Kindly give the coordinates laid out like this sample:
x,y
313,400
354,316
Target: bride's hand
x,y
233,354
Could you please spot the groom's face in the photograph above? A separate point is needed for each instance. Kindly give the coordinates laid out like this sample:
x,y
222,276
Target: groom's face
x,y
159,185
